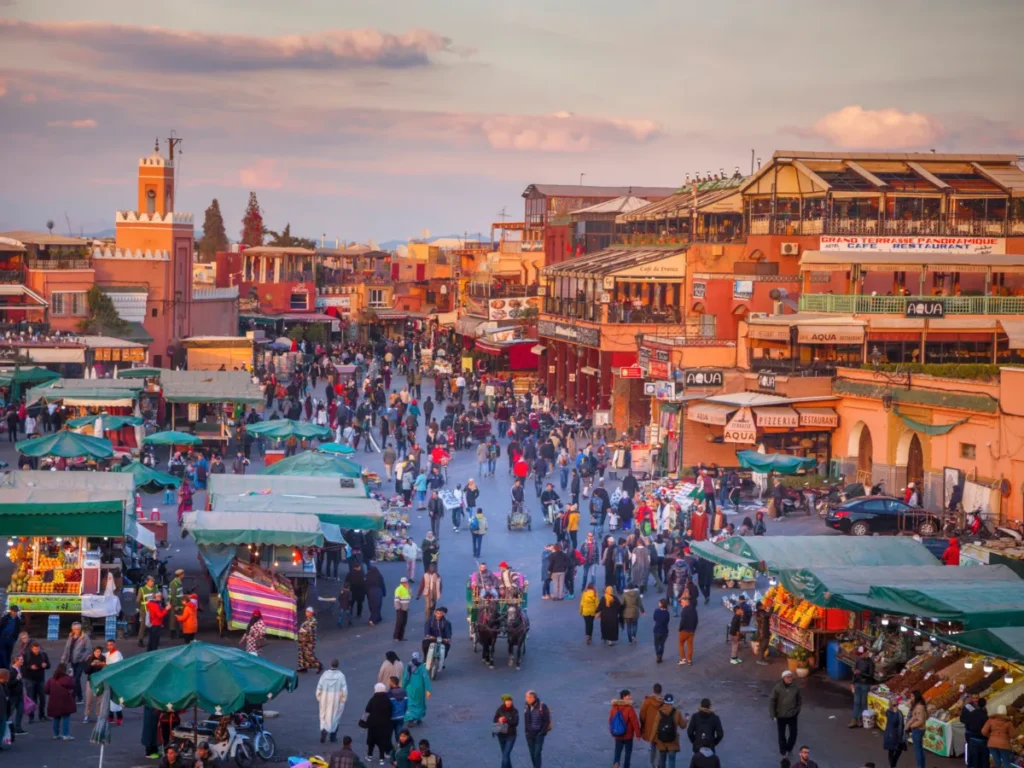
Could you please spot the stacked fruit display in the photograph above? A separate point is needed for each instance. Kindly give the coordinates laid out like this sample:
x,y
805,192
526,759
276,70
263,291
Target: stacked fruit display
x,y
19,581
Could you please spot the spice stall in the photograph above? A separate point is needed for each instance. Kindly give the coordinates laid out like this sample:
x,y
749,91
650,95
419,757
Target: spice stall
x,y
58,527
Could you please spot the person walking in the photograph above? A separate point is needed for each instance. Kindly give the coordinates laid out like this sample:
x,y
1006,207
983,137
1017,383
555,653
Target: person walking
x,y
588,609
705,728
736,635
331,695
402,600
688,621
307,644
10,629
375,591
611,617
894,740
649,720
390,667
506,725
632,610
430,589
624,726
661,619
670,722
113,656
591,553
478,528
784,708
999,731
558,564
916,725
156,614
536,726
377,719
74,656
16,694
416,682
188,619
401,757
255,634
863,679
34,673
93,664
60,704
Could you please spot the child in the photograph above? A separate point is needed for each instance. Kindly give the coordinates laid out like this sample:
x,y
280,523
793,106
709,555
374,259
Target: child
x,y
613,520
345,606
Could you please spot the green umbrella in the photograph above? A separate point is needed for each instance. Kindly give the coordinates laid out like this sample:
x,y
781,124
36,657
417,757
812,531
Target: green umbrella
x,y
336,448
775,462
68,444
313,463
285,428
214,678
110,423
170,437
139,373
148,479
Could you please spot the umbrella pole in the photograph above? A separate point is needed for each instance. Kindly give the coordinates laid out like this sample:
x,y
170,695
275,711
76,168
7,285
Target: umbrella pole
x,y
195,728
102,747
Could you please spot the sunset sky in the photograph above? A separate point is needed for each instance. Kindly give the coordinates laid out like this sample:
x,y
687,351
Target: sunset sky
x,y
379,119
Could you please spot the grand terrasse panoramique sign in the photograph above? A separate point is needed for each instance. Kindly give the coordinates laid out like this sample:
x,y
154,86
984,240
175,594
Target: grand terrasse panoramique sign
x,y
977,246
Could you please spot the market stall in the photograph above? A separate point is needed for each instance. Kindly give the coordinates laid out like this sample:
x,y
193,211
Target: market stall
x,y
283,429
58,527
314,463
208,400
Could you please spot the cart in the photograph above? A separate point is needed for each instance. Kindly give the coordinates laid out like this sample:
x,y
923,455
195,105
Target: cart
x,y
519,518
158,528
474,603
480,430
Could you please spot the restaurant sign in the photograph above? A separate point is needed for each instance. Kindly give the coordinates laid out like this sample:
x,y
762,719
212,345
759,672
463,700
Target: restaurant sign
x,y
703,377
510,309
766,381
925,309
832,334
590,337
976,246
657,369
741,428
699,290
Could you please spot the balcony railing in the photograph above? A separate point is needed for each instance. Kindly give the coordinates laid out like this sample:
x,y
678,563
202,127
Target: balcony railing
x,y
505,291
9,276
51,264
978,227
897,305
617,313
765,224
579,310
913,227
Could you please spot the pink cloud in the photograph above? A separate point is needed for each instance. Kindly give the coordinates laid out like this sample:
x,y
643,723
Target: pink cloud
x,y
263,174
89,123
3,87
29,98
160,49
854,127
562,132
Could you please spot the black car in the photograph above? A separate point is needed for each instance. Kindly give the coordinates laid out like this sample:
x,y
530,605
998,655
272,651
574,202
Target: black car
x,y
866,515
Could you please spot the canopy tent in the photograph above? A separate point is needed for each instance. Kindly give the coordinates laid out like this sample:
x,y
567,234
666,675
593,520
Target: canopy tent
x,y
214,678
341,448
110,423
67,444
140,373
209,387
253,485
841,587
148,479
16,378
980,605
779,553
88,392
313,463
262,528
1001,642
345,511
66,504
774,462
285,428
171,437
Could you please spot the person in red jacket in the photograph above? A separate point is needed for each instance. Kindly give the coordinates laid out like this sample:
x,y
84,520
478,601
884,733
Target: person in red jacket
x,y
155,614
624,726
952,554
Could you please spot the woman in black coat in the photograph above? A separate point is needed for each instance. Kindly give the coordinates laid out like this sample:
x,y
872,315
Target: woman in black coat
x,y
610,611
375,591
378,722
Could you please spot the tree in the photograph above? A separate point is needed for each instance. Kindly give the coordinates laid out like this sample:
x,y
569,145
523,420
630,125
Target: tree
x,y
103,318
284,239
49,225
252,222
214,237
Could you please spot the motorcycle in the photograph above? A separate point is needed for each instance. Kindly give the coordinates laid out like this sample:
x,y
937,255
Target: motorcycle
x,y
831,496
251,724
974,525
236,746
552,510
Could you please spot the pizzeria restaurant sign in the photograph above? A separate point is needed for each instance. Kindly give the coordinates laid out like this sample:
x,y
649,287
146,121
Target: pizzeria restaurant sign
x,y
977,246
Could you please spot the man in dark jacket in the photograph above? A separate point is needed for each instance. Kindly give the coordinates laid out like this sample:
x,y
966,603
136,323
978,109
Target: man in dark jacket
x,y
705,727
687,629
558,564
973,716
536,721
10,628
705,575
435,508
863,679
784,708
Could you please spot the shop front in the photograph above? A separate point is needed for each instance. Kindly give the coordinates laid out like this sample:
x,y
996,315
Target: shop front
x,y
804,342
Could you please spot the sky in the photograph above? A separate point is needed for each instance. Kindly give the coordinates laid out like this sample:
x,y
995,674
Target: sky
x,y
390,118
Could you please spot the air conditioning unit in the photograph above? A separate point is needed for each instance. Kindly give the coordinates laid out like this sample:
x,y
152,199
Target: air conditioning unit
x,y
791,249
757,315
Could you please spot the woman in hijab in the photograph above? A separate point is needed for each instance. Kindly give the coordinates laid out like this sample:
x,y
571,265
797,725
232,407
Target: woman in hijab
x,y
416,682
610,611
390,667
307,644
375,591
255,634
378,723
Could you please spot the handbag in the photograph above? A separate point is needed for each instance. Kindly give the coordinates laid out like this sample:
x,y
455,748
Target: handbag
x,y
364,720
499,729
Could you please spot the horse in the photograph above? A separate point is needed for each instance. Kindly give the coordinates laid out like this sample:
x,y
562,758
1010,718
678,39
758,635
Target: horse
x,y
488,628
517,625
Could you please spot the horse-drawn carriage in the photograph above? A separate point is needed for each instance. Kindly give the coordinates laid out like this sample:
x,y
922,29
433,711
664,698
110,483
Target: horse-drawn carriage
x,y
494,613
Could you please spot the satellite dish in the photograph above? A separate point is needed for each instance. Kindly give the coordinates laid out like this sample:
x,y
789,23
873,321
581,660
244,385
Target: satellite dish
x,y
425,234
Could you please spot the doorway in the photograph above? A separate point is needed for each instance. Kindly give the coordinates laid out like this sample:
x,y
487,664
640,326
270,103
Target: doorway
x,y
915,462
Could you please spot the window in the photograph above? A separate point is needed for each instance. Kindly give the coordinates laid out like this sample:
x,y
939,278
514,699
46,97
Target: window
x,y
876,506
68,305
968,451
377,300
300,301
153,312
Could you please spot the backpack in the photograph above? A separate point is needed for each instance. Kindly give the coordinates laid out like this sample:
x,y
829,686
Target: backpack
x,y
474,524
667,732
617,726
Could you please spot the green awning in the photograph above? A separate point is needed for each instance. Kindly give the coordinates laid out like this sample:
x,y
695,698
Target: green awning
x,y
346,511
67,444
841,587
110,423
791,552
148,479
1001,642
139,373
171,437
315,463
253,486
284,428
774,462
64,503
209,387
262,528
928,429
26,375
981,605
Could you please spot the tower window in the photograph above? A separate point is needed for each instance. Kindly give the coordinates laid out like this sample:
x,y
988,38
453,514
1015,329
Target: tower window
x,y
153,312
150,201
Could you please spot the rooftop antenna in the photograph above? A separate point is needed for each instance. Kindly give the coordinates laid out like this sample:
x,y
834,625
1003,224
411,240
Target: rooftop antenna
x,y
581,178
172,143
70,233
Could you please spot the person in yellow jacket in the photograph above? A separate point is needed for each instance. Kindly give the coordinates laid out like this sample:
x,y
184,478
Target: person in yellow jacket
x,y
588,609
402,599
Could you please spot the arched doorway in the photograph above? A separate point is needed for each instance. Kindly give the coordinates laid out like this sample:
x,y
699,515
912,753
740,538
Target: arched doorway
x,y
861,448
915,462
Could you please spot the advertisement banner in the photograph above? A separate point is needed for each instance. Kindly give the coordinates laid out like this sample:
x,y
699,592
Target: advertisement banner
x,y
741,428
974,246
656,369
510,309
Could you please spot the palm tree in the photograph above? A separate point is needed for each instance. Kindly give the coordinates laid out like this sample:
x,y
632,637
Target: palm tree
x,y
49,225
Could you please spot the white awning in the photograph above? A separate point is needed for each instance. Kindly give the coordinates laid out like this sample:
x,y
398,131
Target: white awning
x,y
589,370
1014,329
710,413
55,354
776,417
830,334
538,349
818,417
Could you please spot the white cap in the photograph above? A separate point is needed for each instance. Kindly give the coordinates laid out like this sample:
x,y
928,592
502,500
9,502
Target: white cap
x,y
787,673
